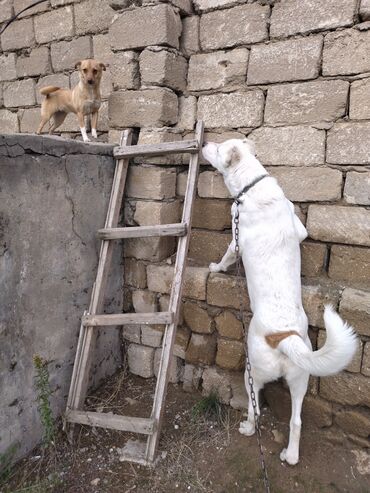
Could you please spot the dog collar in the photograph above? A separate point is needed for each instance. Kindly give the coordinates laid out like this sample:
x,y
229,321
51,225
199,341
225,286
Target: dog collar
x,y
248,187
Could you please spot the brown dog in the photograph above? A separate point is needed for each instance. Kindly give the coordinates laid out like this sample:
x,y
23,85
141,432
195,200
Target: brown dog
x,y
84,99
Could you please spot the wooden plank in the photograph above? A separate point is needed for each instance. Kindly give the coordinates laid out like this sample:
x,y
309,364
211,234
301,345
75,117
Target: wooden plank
x,y
175,300
160,318
112,421
142,231
183,146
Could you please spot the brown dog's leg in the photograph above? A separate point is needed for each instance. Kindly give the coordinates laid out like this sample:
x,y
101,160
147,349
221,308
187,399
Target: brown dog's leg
x,y
94,125
43,122
58,118
81,121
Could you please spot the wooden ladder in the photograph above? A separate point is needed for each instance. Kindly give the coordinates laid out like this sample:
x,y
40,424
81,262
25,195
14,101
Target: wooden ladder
x,y
141,453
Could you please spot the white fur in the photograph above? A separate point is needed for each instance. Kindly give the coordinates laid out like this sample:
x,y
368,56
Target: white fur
x,y
270,234
84,134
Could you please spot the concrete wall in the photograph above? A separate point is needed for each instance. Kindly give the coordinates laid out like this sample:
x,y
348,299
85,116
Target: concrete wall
x,y
53,198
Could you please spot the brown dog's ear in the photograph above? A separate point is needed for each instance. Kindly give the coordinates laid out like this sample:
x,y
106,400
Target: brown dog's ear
x,y
103,67
78,65
233,157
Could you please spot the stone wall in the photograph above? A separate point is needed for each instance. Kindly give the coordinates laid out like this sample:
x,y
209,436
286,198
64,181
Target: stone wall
x,y
295,77
53,197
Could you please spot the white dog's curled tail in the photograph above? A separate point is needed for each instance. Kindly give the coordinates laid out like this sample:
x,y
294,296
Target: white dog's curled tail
x,y
339,348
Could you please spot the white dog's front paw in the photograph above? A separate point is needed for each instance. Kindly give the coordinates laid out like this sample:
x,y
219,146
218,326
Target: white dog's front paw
x,y
290,458
247,428
213,267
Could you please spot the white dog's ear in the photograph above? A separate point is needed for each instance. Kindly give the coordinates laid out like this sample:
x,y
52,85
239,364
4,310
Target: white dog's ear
x,y
233,157
251,146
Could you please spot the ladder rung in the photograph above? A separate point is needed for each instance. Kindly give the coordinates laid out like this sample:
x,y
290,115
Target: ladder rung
x,y
188,146
112,421
160,318
142,231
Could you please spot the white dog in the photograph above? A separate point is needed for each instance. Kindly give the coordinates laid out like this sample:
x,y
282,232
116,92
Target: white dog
x,y
270,234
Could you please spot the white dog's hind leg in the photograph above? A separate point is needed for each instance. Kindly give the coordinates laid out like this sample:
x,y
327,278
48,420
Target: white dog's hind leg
x,y
298,388
228,259
248,427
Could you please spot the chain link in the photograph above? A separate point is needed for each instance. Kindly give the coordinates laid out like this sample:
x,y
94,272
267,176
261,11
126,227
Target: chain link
x,y
247,362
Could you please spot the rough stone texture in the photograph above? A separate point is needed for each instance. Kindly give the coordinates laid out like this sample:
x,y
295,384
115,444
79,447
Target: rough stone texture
x,y
239,398
187,112
229,326
92,16
212,214
163,68
242,25
21,4
54,25
223,290
217,381
365,10
230,354
132,333
316,412
153,249
365,369
339,48
158,136
291,146
313,258
18,35
152,336
59,80
355,364
309,184
192,376
151,182
357,188
350,263
181,342
61,198
6,10
346,388
160,280
208,246
355,422
8,122
359,108
144,301
35,64
339,224
19,93
349,143
293,16
7,67
148,108
314,297
238,109
206,5
355,308
138,28
201,349
294,59
189,42
197,318
216,70
149,213
306,102
175,370
65,54
211,185
141,360
124,70
135,273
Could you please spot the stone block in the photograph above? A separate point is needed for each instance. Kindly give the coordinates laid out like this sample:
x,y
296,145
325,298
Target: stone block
x,y
7,67
294,59
192,377
359,107
135,273
208,246
313,258
148,108
187,112
225,291
124,70
160,280
365,368
349,143
36,63
355,365
29,119
141,360
163,68
8,122
142,27
59,80
59,3
175,370
242,25
189,41
316,412
235,110
201,349
19,93
158,136
181,342
212,214
54,25
6,11
229,326
220,69
65,54
339,224
144,302
345,52
314,298
306,102
149,213
239,398
353,421
149,182
351,389
22,4
365,10
101,48
211,185
230,354
131,333
153,249
18,35
289,146
355,308
208,5
309,184
350,263
217,381
152,336
92,16
197,318
357,188
293,16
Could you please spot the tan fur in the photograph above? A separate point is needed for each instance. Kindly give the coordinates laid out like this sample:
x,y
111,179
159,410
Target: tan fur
x,y
273,340
84,99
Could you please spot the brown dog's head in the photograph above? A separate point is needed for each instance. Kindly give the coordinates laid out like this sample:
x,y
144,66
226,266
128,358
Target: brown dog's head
x,y
90,71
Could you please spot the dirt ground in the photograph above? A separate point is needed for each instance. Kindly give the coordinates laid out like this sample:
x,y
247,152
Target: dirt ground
x,y
198,453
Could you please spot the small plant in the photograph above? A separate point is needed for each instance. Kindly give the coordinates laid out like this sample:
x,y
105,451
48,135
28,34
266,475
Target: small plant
x,y
209,407
6,460
43,395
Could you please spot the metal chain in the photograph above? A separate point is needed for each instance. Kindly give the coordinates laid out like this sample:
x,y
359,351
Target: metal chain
x,y
247,362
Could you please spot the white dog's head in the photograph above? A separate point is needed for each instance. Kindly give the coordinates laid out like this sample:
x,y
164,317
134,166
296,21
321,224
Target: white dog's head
x,y
230,153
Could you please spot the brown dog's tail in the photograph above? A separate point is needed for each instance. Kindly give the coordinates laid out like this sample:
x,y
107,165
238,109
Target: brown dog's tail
x,y
45,91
